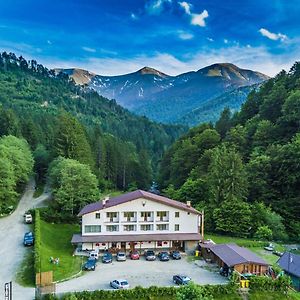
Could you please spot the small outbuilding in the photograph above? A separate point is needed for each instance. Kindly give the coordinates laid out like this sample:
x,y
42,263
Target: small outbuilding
x,y
290,263
231,256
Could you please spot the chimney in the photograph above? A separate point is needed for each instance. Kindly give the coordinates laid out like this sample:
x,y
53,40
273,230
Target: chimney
x,y
105,200
188,203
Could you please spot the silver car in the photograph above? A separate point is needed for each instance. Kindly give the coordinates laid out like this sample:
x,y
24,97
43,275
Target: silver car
x,y
119,284
121,256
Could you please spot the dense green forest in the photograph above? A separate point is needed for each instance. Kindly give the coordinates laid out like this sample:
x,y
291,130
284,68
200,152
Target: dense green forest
x,y
59,119
244,171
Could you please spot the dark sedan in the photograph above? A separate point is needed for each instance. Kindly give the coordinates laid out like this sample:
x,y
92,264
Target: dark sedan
x,y
181,279
175,254
163,256
90,265
107,258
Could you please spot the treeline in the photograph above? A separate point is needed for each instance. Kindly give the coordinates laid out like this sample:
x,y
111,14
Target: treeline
x,y
244,170
38,96
16,164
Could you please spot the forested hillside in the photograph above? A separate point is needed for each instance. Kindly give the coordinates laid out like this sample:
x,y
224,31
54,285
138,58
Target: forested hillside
x,y
245,170
58,118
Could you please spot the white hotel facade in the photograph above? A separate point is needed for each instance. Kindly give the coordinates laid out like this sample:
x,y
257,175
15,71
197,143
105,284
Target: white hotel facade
x,y
139,220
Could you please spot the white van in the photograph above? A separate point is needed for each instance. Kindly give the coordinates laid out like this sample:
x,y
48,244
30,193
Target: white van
x,y
94,254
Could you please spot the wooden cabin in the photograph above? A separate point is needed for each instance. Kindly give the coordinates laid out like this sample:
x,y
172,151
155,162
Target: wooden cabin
x,y
234,257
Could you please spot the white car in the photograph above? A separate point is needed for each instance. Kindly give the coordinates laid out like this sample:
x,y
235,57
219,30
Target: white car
x,y
119,284
121,256
94,254
27,218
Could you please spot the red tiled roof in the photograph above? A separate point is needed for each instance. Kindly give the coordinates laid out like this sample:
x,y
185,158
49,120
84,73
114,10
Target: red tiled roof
x,y
135,195
78,238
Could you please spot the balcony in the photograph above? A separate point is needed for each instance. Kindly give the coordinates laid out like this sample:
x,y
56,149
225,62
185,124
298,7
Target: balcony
x,y
129,220
145,220
162,220
111,220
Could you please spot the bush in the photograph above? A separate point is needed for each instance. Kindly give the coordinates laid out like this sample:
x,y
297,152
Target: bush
x,y
264,283
264,233
37,241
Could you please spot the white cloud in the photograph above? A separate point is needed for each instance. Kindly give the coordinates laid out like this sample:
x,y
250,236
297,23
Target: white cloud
x,y
210,39
49,42
155,7
254,58
273,36
226,41
183,35
199,19
186,6
88,49
196,19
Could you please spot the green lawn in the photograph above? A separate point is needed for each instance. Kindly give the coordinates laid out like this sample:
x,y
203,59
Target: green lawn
x,y
56,243
273,296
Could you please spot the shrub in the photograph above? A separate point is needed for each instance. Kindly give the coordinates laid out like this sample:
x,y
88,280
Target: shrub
x,y
37,241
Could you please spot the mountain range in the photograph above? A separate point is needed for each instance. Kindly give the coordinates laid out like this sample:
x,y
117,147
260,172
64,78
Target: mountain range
x,y
184,98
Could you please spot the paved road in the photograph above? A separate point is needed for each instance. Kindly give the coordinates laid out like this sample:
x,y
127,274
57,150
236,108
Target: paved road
x,y
141,272
12,251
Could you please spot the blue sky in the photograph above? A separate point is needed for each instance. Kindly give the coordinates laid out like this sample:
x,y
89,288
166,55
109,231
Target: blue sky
x,y
120,36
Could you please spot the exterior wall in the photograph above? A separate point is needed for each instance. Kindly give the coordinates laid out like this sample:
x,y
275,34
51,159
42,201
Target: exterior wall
x,y
251,268
138,245
295,281
188,222
190,246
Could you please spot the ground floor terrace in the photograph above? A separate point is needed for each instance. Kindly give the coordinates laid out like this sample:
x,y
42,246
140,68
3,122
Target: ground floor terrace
x,y
185,242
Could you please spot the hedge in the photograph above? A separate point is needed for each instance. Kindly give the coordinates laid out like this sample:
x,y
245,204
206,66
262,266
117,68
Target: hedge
x,y
264,283
146,293
37,241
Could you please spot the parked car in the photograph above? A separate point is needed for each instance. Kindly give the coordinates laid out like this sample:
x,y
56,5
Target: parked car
x,y
175,254
181,279
90,264
134,255
270,247
119,284
150,255
164,256
28,239
27,218
121,256
94,254
107,258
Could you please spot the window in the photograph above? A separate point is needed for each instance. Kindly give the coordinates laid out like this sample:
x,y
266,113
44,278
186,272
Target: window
x,y
111,228
92,228
176,227
161,215
129,228
159,244
176,214
146,227
162,227
129,215
97,215
111,216
146,215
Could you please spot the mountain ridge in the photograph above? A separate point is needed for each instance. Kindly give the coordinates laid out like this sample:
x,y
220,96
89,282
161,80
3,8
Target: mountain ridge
x,y
166,98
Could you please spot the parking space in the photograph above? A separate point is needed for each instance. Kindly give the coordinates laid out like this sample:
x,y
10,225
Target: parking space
x,y
142,273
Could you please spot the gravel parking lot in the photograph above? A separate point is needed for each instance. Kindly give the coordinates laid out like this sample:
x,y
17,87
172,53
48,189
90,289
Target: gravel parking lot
x,y
143,273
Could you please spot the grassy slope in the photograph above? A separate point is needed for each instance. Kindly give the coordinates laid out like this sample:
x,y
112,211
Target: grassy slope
x,y
56,242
